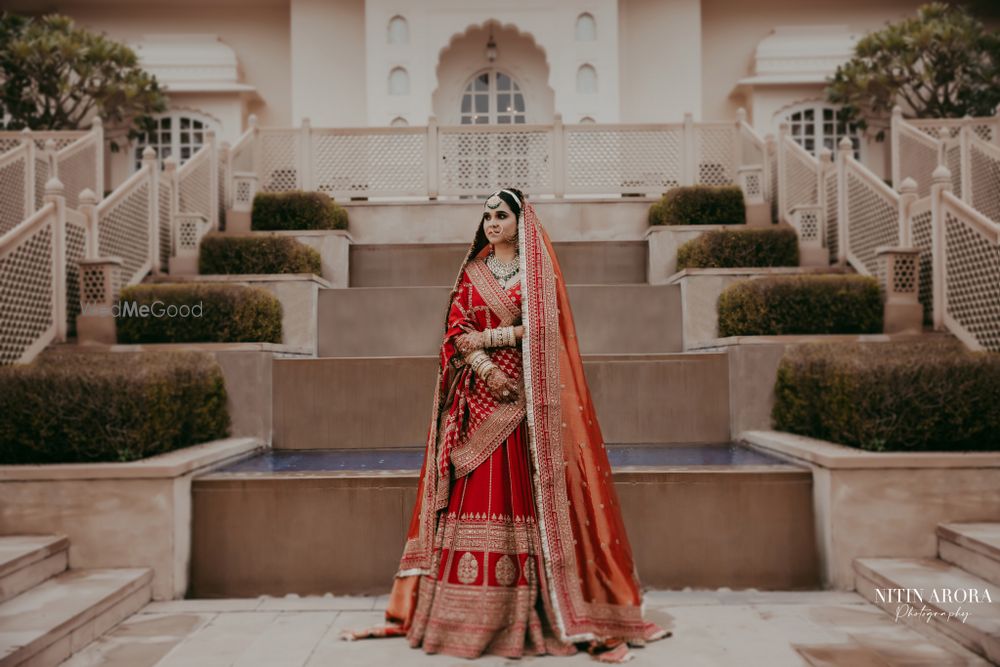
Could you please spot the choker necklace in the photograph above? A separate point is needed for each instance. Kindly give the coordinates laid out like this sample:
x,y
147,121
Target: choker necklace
x,y
503,270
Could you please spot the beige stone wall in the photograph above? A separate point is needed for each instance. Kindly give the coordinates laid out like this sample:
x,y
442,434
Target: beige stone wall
x,y
327,74
660,60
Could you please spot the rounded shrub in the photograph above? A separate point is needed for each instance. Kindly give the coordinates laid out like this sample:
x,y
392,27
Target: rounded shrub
x,y
700,205
920,396
197,313
269,253
109,406
737,248
801,304
296,210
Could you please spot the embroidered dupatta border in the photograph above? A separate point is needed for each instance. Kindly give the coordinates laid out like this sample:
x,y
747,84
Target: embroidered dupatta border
x,y
575,618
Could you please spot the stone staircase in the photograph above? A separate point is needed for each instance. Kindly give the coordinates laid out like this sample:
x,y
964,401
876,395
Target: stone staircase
x,y
49,612
968,560
328,508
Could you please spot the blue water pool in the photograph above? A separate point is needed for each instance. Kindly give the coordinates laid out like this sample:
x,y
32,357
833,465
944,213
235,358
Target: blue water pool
x,y
410,459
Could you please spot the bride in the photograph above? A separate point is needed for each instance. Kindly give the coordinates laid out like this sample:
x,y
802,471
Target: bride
x,y
516,545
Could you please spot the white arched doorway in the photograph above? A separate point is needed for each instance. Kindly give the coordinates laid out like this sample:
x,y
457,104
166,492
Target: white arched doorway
x,y
492,97
468,80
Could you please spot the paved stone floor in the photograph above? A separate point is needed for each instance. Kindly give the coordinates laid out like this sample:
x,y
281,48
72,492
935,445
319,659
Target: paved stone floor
x,y
721,627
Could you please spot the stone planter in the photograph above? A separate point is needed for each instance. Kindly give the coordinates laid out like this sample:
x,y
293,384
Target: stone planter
x,y
135,514
700,290
664,240
885,504
298,293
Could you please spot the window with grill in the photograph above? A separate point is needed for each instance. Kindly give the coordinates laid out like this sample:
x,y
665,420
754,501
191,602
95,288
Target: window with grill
x,y
492,97
178,133
816,126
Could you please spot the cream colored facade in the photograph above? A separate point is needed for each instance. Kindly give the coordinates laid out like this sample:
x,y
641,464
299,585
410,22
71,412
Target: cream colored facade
x,y
351,63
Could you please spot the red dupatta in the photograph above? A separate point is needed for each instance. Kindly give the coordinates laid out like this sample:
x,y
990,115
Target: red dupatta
x,y
593,586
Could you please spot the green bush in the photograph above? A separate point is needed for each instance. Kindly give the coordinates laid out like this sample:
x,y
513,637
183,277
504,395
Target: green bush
x,y
296,210
891,396
801,304
106,406
228,314
270,253
700,205
736,248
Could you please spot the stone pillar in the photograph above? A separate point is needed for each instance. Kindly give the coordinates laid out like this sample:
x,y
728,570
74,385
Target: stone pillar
x,y
899,282
100,283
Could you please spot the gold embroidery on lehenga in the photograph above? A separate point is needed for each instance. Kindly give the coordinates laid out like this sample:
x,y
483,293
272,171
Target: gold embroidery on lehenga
x,y
505,570
468,568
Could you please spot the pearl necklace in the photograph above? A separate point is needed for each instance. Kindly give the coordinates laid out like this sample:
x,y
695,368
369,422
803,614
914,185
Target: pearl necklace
x,y
503,270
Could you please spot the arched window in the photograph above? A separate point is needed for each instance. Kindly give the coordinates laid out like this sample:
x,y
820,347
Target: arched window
x,y
399,121
814,125
399,31
586,119
177,133
492,97
586,28
586,80
399,82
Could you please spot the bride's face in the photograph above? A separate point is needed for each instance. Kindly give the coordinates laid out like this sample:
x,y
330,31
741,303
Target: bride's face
x,y
499,223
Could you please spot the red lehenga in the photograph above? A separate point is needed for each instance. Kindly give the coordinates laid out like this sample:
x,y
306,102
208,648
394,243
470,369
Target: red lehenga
x,y
516,544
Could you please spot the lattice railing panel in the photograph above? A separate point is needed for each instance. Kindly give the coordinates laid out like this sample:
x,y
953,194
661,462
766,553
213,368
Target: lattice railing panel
x,y
772,176
922,232
77,171
477,162
872,221
221,192
370,164
800,177
241,156
953,158
714,155
26,298
752,150
279,160
612,160
194,183
41,177
12,177
985,179
123,231
9,144
76,246
166,228
972,269
918,158
832,214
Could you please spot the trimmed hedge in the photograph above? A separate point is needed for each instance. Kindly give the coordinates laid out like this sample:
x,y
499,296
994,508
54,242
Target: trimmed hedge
x,y
736,248
228,314
802,304
700,205
227,254
105,406
891,396
296,209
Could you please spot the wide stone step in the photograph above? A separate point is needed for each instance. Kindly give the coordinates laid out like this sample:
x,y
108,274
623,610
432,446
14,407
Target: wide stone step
x,y
28,560
974,547
360,403
50,622
255,529
404,321
973,624
436,264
